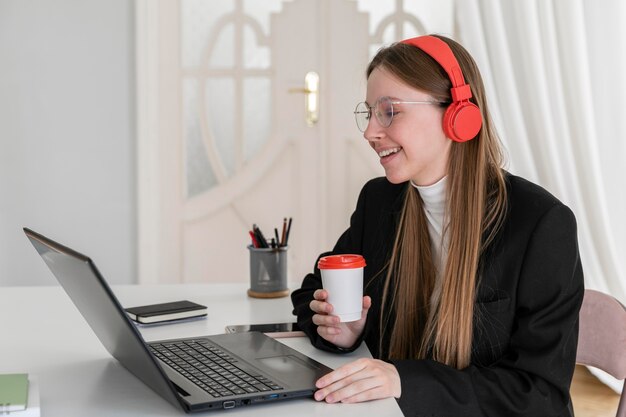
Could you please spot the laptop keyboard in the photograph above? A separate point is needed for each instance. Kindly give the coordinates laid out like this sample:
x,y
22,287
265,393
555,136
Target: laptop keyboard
x,y
211,368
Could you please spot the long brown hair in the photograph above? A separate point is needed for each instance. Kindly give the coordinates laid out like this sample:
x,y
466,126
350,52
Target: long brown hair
x,y
429,318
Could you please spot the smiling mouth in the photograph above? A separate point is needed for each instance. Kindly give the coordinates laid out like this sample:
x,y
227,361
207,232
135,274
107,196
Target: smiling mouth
x,y
388,152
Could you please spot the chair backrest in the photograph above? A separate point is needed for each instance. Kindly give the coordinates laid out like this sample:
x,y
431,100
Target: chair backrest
x,y
602,337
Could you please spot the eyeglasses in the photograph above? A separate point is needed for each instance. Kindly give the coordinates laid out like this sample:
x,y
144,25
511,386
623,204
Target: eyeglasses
x,y
383,109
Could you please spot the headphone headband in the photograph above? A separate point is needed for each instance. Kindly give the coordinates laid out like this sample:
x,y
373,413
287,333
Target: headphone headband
x,y
462,120
441,52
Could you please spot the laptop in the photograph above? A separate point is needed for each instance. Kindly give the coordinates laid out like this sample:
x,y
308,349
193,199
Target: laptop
x,y
196,374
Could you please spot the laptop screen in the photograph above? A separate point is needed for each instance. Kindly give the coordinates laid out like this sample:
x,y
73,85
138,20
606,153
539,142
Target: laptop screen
x,y
81,280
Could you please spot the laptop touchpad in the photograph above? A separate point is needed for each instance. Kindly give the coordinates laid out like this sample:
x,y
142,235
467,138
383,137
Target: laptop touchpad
x,y
286,364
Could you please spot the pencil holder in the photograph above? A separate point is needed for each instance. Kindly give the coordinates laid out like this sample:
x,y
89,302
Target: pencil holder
x,y
268,272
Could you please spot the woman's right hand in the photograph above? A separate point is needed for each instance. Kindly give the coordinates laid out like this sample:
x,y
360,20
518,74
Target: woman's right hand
x,y
330,328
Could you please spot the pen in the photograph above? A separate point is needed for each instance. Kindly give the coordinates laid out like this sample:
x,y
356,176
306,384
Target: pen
x,y
260,237
288,230
254,242
283,239
277,239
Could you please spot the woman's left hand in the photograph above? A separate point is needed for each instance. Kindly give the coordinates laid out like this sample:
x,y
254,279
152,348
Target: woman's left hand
x,y
361,380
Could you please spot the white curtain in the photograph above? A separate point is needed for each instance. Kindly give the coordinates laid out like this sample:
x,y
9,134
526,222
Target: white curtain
x,y
554,73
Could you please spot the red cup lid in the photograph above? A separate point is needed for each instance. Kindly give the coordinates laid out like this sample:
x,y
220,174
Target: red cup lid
x,y
341,262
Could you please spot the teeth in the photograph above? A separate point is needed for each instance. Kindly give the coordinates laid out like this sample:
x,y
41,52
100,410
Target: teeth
x,y
388,152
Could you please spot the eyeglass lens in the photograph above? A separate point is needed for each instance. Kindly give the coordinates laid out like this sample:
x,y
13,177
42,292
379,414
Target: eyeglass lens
x,y
383,109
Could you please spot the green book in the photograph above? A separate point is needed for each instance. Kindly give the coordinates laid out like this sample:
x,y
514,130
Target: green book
x,y
13,392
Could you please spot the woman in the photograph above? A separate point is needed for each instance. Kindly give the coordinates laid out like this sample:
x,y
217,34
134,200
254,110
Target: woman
x,y
473,281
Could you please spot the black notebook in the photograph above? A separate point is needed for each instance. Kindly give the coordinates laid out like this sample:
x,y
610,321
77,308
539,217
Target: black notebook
x,y
156,313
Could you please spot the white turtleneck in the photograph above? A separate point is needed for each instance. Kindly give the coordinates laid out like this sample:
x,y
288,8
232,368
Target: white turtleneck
x,y
434,198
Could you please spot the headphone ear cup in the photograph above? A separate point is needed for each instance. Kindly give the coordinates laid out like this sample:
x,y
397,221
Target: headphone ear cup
x,y
462,121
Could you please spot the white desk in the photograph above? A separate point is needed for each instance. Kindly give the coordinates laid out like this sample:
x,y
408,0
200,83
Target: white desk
x,y
44,334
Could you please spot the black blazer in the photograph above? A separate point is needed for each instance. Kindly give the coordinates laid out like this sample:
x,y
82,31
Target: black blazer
x,y
526,313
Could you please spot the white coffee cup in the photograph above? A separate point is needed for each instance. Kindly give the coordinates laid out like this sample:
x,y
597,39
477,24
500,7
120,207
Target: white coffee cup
x,y
342,277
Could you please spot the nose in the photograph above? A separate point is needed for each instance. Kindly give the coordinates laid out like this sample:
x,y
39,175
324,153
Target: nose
x,y
374,130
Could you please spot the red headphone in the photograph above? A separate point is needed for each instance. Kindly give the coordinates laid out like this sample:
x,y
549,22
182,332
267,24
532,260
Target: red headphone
x,y
462,120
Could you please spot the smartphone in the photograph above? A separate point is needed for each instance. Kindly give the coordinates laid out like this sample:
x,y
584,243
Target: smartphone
x,y
270,329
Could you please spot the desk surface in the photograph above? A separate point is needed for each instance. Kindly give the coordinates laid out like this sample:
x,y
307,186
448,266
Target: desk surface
x,y
44,334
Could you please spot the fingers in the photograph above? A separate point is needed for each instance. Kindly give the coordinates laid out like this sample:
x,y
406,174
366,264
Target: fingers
x,y
320,307
319,304
320,294
325,320
362,380
367,303
341,373
330,333
329,326
359,391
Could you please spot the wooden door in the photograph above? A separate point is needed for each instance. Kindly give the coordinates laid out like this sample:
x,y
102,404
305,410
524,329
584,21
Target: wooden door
x,y
225,137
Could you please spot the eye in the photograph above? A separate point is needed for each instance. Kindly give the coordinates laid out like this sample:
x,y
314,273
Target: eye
x,y
387,112
385,108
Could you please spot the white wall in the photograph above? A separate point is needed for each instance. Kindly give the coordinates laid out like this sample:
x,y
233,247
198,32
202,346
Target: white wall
x,y
67,134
